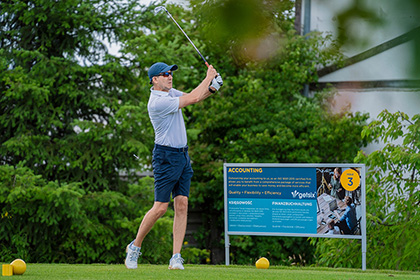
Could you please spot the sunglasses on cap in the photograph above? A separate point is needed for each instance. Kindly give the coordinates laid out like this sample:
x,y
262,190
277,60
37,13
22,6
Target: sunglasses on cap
x,y
165,74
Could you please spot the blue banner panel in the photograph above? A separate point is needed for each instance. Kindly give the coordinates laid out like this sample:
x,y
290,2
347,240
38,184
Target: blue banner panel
x,y
272,215
272,199
271,182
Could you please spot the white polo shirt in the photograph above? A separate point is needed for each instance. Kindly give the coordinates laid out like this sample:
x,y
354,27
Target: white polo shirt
x,y
166,118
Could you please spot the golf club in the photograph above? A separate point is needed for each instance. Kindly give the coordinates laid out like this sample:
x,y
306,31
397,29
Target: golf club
x,y
158,9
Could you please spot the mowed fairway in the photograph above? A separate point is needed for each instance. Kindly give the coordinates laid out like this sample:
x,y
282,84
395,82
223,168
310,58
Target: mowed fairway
x,y
201,272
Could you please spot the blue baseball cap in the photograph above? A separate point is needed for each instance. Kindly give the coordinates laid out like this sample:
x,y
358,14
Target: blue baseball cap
x,y
160,67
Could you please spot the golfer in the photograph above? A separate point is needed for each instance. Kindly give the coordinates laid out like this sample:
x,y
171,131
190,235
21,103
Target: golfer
x,y
171,162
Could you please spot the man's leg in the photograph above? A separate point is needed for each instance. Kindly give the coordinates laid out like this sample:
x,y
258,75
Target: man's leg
x,y
133,249
180,225
180,222
157,211
180,194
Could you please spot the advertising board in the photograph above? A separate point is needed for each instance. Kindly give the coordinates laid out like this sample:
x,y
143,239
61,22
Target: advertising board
x,y
313,200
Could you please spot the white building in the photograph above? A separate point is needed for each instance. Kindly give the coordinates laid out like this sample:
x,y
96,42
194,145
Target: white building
x,y
378,74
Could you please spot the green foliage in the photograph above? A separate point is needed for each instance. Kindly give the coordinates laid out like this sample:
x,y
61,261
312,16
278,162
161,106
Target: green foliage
x,y
261,116
47,222
279,250
393,199
333,252
194,255
70,110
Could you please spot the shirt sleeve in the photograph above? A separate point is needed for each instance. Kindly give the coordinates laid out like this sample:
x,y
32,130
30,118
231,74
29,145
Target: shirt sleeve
x,y
346,213
176,93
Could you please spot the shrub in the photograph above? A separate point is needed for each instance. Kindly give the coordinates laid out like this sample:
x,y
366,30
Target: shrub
x,y
52,222
392,196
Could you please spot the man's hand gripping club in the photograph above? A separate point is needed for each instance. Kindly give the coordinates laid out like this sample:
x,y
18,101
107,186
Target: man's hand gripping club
x,y
216,83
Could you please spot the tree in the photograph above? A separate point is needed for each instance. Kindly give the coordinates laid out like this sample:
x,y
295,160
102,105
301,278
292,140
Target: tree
x,y
69,110
258,119
71,119
260,114
393,183
44,221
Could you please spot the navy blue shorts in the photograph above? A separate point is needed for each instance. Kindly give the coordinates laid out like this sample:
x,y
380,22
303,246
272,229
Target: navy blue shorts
x,y
172,171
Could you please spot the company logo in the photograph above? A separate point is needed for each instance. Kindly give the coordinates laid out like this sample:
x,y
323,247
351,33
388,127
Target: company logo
x,y
303,195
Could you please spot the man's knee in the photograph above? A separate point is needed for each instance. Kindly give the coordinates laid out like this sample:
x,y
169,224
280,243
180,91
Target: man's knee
x,y
161,212
181,204
159,209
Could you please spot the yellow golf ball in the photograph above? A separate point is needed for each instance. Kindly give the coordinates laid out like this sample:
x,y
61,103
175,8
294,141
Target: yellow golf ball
x,y
262,263
19,266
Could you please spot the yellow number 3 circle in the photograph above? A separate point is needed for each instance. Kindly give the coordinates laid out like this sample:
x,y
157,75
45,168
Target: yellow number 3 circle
x,y
350,179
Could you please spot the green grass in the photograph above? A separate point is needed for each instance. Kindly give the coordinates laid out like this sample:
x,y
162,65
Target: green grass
x,y
201,272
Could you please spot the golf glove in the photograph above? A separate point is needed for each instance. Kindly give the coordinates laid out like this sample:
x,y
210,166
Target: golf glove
x,y
217,82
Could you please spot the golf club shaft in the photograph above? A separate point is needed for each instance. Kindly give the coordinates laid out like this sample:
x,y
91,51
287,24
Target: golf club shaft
x,y
205,61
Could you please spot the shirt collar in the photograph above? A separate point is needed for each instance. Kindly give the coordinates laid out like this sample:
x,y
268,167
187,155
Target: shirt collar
x,y
158,92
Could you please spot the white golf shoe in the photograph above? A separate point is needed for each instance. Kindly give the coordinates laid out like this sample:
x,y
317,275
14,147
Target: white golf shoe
x,y
176,262
133,253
